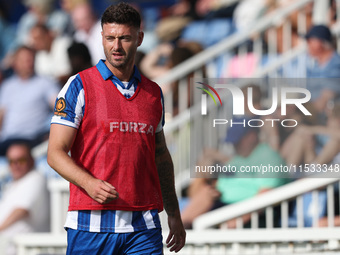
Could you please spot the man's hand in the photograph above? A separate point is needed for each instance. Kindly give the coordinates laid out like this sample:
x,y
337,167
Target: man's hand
x,y
176,237
101,191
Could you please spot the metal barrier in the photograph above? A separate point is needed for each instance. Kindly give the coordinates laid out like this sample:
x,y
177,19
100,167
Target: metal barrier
x,y
279,196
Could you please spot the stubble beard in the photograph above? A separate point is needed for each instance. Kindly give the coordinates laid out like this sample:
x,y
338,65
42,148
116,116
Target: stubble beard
x,y
118,64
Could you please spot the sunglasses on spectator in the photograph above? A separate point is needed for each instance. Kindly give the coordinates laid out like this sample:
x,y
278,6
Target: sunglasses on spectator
x,y
19,161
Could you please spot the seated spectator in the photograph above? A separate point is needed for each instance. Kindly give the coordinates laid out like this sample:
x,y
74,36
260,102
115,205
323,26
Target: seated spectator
x,y
239,186
51,57
322,62
88,30
26,102
323,66
25,201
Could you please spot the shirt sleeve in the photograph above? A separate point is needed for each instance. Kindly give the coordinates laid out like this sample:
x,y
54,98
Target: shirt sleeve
x,y
162,121
70,103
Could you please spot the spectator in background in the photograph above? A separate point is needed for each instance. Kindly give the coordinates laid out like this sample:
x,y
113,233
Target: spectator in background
x,y
156,62
69,5
88,30
249,152
316,144
25,201
79,57
322,62
51,58
43,12
26,101
165,57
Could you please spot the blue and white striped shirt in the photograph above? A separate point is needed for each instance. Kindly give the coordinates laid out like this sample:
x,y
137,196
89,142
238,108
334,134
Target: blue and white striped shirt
x,y
96,220
112,221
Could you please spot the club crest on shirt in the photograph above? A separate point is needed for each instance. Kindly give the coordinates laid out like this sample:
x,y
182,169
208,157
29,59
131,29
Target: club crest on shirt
x,y
60,107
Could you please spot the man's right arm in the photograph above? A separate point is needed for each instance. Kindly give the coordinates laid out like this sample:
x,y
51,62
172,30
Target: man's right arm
x,y
60,142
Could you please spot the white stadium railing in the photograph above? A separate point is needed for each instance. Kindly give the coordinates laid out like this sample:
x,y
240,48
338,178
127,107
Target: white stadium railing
x,y
265,202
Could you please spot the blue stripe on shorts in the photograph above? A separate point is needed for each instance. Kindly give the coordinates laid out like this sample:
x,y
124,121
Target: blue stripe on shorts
x,y
135,243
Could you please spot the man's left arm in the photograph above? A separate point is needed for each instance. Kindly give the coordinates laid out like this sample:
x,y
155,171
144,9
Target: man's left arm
x,y
176,238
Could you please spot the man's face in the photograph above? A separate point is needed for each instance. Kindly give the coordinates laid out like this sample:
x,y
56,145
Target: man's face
x,y
20,161
24,63
120,44
39,39
315,47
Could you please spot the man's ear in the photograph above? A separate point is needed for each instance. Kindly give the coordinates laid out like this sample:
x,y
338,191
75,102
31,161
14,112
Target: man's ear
x,y
140,37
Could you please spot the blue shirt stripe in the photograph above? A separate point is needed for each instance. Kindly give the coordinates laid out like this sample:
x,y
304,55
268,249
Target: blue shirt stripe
x,y
84,220
107,223
155,217
138,221
71,98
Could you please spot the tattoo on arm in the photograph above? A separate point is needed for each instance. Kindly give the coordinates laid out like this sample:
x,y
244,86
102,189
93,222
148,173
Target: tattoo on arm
x,y
166,175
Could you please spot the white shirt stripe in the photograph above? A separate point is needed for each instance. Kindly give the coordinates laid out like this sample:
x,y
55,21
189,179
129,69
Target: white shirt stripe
x,y
149,220
79,108
123,221
95,219
72,220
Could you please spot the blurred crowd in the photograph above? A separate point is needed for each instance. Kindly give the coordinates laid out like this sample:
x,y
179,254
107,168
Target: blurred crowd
x,y
44,42
314,142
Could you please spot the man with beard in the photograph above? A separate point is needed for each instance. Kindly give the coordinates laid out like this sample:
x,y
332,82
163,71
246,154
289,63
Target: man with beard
x,y
120,171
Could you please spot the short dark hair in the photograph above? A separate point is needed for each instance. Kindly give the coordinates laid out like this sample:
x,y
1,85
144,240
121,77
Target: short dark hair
x,y
79,49
121,13
20,142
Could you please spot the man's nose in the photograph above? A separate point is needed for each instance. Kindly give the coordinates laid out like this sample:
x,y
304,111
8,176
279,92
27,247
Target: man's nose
x,y
116,44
